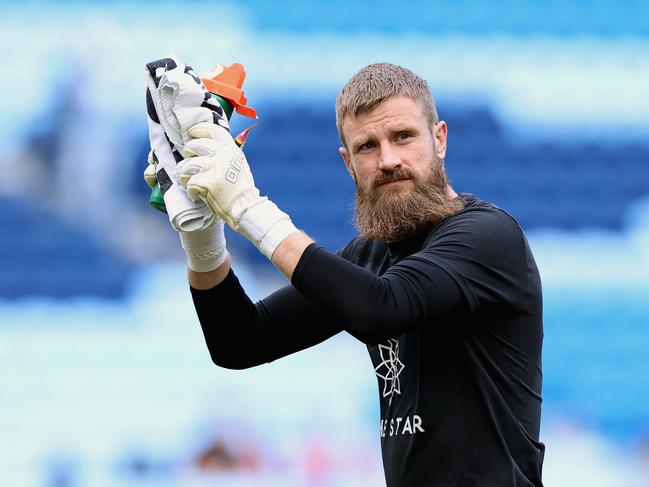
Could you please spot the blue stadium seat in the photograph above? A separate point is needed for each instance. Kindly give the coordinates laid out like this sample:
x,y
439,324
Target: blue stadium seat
x,y
42,256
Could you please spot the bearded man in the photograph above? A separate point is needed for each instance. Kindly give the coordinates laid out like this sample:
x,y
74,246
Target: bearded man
x,y
442,288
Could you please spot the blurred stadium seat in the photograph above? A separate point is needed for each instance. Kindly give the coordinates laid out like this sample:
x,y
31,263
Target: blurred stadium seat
x,y
42,256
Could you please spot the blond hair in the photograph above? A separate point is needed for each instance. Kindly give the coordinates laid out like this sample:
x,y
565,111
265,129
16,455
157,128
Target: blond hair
x,y
377,83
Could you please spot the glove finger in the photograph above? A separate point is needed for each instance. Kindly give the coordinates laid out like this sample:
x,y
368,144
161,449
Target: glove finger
x,y
150,159
197,190
210,131
202,147
150,176
196,193
189,167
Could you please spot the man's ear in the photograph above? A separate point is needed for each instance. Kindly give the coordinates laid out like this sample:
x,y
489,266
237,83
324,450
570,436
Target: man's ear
x,y
440,133
344,153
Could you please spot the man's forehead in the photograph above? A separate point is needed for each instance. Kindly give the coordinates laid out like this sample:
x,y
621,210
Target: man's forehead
x,y
397,110
398,100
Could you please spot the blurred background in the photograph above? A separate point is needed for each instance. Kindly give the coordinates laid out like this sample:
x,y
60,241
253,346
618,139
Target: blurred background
x,y
104,376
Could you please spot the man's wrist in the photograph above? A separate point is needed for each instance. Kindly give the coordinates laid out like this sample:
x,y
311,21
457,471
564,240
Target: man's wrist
x,y
208,280
289,252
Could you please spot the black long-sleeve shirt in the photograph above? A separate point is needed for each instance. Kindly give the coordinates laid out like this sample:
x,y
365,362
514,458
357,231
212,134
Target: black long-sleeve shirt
x,y
452,321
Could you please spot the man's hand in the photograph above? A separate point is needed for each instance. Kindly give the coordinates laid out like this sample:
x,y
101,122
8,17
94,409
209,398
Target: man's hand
x,y
205,249
217,171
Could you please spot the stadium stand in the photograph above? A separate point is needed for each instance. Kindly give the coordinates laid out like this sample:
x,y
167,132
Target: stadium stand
x,y
40,255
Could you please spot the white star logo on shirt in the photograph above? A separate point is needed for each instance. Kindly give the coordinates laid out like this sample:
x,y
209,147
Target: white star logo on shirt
x,y
390,368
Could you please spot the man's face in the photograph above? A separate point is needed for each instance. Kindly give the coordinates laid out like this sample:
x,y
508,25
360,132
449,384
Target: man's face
x,y
396,161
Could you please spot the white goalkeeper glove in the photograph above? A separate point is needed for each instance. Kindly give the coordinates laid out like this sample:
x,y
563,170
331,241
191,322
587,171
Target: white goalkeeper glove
x,y
217,171
205,248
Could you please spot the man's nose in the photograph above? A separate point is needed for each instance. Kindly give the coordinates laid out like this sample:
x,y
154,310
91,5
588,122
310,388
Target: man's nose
x,y
388,158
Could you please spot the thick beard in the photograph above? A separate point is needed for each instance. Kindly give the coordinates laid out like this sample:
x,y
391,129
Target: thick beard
x,y
397,213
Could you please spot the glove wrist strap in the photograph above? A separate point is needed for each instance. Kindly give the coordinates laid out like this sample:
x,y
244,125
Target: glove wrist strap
x,y
265,225
205,249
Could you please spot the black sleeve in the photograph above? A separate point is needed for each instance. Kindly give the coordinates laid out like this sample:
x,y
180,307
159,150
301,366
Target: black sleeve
x,y
373,308
241,334
466,266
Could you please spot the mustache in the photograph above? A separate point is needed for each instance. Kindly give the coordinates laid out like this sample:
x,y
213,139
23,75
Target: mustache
x,y
392,175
